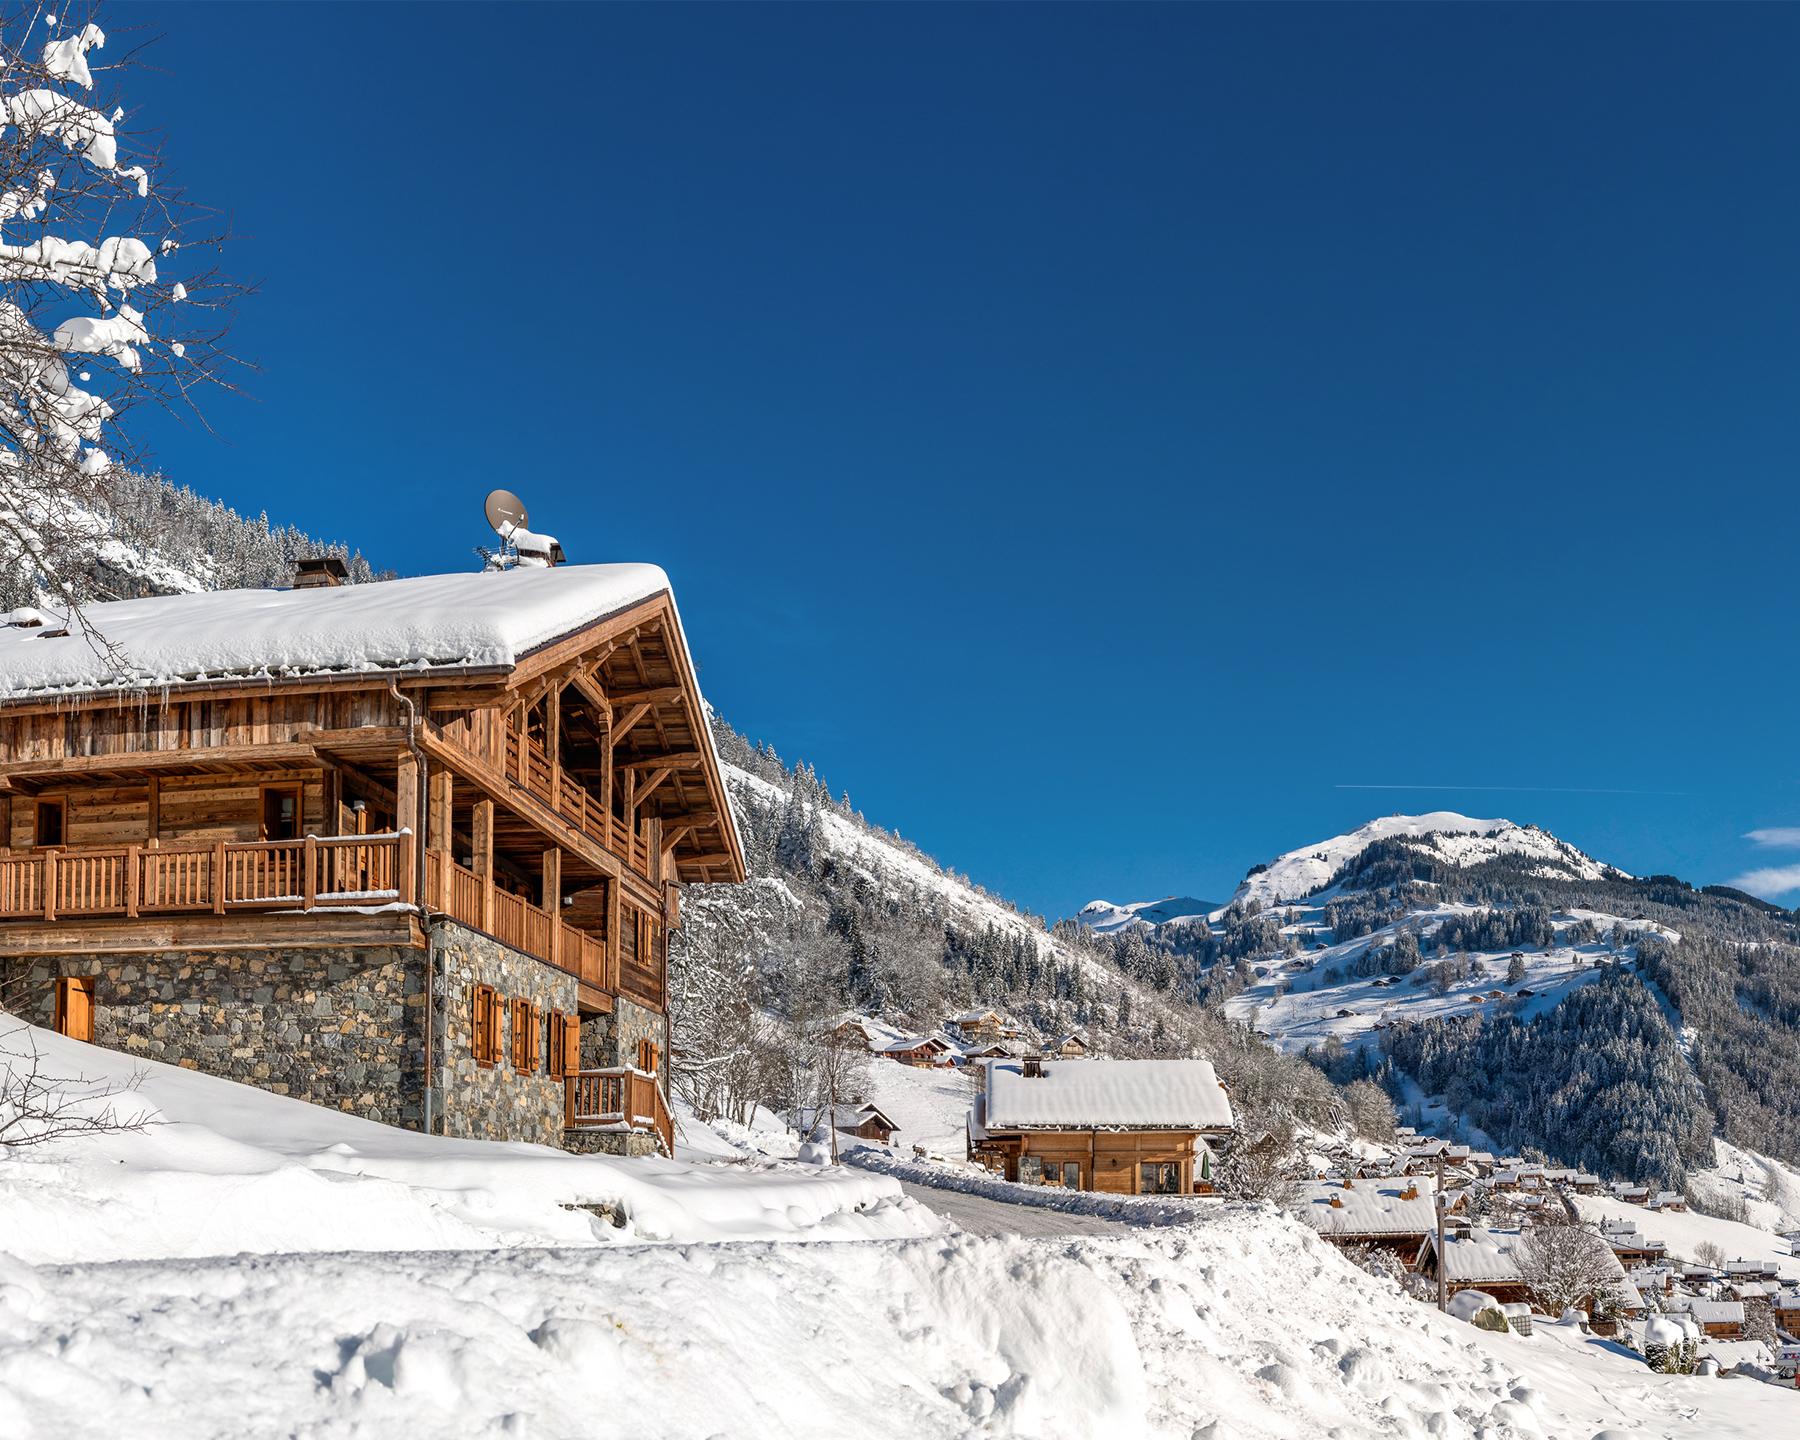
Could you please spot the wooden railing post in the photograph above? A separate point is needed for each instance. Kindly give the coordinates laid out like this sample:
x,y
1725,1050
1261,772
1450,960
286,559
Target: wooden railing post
x,y
133,859
49,884
218,878
309,878
405,881
569,1084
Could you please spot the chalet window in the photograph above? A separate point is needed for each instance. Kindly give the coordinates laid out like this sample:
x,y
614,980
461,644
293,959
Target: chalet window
x,y
1031,1170
485,1013
1071,1178
649,1054
1159,1177
565,1044
281,812
75,1007
49,823
527,1051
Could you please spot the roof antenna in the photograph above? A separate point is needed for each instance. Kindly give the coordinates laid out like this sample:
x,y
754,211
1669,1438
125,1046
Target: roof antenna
x,y
519,548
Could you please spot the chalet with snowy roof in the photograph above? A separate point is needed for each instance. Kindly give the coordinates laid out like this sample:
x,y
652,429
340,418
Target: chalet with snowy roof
x,y
865,1122
924,1051
410,849
1068,1047
1394,1212
1129,1127
1491,1260
981,1024
1718,1319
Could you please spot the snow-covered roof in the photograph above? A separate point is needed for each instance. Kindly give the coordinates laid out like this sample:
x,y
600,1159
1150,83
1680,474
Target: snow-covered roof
x,y
478,620
1106,1094
1371,1207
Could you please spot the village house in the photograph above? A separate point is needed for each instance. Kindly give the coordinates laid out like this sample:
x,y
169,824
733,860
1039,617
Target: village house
x,y
1069,1047
1475,1257
865,1122
923,1051
975,1026
1718,1319
1394,1212
410,850
1129,1127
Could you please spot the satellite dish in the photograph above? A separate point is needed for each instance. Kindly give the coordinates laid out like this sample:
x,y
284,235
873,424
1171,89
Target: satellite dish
x,y
505,512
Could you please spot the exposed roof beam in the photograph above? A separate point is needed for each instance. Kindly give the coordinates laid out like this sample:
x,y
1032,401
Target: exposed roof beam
x,y
680,760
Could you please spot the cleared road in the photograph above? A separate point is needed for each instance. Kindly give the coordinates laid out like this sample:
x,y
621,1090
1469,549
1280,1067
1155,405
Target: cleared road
x,y
980,1216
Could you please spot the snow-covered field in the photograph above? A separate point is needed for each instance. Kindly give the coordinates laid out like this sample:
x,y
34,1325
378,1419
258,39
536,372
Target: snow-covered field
x,y
930,1106
253,1266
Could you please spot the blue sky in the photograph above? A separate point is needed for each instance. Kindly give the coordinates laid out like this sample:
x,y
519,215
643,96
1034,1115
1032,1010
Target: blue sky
x,y
1094,437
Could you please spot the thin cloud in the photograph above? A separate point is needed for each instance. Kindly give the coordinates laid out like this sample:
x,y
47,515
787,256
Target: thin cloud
x,y
1524,790
1776,837
1776,880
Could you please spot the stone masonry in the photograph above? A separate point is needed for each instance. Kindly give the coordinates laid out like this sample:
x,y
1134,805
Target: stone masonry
x,y
494,1102
340,1028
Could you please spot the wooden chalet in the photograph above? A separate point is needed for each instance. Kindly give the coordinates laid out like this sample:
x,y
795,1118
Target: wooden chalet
x,y
1387,1212
409,849
1130,1127
923,1051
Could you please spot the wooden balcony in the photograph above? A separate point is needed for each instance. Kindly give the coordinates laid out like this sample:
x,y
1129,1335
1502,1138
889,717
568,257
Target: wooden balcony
x,y
512,920
223,878
529,767
621,1099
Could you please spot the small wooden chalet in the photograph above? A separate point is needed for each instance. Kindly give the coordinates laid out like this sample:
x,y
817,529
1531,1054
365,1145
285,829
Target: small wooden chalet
x,y
1130,1127
1390,1212
1069,1047
1490,1260
983,1024
865,1122
409,849
924,1051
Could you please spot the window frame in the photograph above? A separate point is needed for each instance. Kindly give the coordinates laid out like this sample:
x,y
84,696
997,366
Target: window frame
x,y
57,805
264,792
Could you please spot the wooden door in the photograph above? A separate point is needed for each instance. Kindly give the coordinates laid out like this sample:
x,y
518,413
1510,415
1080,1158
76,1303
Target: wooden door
x,y
75,1007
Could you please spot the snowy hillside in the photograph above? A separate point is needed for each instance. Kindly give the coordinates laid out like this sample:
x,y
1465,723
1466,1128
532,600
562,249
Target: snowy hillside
x,y
1103,917
1455,839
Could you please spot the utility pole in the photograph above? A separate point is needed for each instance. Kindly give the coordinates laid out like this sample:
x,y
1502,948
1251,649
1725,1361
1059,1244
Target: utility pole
x,y
1442,1278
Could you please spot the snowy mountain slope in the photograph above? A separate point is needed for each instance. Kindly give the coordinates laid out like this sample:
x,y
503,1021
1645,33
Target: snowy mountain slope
x,y
1103,917
1455,839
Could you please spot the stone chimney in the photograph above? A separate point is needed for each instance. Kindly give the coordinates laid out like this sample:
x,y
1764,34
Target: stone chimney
x,y
312,571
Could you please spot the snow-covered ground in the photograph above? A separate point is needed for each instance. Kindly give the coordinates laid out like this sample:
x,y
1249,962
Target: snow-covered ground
x,y
226,1168
930,1106
256,1266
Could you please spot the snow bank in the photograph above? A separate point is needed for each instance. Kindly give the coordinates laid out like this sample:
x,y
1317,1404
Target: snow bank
x,y
226,1169
1241,1328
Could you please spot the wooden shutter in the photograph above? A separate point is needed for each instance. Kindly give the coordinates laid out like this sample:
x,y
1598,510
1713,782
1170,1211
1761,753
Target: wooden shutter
x,y
75,1007
521,1023
571,1044
535,1054
484,1008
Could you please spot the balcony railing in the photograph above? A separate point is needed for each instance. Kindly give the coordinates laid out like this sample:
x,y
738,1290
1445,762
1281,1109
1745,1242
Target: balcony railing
x,y
224,877
515,921
619,1099
528,766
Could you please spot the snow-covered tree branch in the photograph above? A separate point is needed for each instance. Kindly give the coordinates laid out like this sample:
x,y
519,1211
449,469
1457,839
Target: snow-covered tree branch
x,y
105,301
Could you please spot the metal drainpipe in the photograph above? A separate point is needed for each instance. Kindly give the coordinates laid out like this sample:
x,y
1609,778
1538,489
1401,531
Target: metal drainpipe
x,y
419,837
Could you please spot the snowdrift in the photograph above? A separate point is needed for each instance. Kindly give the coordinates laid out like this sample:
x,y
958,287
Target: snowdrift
x,y
225,1168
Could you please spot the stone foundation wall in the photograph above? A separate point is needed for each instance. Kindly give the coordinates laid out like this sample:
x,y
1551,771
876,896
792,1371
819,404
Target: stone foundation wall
x,y
494,1102
339,1028
608,1040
